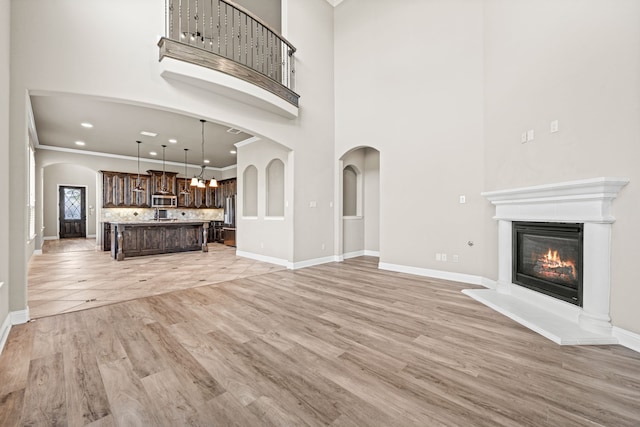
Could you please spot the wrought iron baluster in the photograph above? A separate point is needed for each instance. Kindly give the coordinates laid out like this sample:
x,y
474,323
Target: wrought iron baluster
x,y
247,40
180,18
211,26
188,22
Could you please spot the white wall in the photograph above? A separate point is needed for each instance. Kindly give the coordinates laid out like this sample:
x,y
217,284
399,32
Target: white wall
x,y
96,49
67,174
409,84
262,235
372,201
4,160
577,62
314,151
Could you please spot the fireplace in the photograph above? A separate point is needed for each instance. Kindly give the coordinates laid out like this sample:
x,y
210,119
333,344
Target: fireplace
x,y
566,229
547,258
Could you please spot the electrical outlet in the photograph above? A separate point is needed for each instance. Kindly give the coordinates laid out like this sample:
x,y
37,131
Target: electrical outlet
x,y
444,257
438,257
530,135
463,199
456,258
553,127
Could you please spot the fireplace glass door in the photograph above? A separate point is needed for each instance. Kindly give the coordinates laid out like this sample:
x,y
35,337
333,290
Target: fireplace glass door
x,y
547,257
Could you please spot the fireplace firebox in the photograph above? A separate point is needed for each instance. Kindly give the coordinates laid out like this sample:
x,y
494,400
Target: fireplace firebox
x,y
547,257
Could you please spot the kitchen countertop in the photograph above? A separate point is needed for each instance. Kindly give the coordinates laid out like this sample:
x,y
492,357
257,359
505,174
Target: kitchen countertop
x,y
161,222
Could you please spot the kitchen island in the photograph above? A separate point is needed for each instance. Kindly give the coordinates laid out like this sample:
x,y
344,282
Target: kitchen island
x,y
138,238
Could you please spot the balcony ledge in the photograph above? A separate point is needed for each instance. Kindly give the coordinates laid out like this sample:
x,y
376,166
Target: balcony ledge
x,y
213,79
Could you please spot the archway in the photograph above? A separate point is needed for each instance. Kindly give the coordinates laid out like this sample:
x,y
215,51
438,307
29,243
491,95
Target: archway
x,y
358,210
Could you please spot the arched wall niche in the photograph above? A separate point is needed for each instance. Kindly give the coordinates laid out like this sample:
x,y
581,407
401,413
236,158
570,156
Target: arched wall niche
x,y
275,185
250,191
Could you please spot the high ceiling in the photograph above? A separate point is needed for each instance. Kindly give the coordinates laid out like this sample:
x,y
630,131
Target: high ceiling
x,y
117,127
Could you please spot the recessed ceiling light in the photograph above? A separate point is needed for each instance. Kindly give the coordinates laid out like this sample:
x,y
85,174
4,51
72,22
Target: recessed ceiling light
x,y
173,141
234,131
153,153
147,133
80,143
233,151
86,125
207,161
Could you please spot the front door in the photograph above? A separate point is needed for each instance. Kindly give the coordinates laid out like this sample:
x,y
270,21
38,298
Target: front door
x,y
73,217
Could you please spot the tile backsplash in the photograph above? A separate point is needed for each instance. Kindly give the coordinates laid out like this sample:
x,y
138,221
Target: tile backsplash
x,y
134,214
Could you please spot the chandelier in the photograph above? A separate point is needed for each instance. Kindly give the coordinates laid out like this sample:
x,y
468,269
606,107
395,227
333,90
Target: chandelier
x,y
199,180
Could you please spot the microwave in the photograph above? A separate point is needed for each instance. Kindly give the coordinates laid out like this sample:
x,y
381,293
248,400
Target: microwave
x,y
163,201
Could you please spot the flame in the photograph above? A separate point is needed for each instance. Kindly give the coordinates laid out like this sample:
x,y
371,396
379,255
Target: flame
x,y
552,260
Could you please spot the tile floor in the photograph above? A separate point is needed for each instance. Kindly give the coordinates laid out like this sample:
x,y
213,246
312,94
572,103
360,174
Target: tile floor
x,y
72,275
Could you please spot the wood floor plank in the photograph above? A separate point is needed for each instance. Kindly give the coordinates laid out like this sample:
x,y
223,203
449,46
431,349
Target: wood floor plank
x,y
170,397
11,405
14,363
340,344
130,404
85,394
189,371
107,345
225,410
141,354
45,398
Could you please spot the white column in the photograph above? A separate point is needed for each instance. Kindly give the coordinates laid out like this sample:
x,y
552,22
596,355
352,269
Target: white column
x,y
596,283
504,256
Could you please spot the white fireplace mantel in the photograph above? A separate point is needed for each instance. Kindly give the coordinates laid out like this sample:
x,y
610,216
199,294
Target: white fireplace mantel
x,y
585,201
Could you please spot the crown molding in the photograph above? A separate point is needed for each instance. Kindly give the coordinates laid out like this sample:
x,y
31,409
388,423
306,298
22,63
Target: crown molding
x,y
131,158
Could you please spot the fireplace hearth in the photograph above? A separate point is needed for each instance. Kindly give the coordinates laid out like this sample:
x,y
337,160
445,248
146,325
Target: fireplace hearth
x,y
547,258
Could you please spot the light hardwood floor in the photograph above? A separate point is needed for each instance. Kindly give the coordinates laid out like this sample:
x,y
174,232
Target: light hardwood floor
x,y
338,344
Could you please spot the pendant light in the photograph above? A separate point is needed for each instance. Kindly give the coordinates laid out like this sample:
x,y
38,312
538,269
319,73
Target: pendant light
x,y
163,188
185,190
200,181
138,188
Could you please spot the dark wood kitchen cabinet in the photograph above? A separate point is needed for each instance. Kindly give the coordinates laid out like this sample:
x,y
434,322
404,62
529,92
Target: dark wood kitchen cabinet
x,y
139,199
160,180
106,236
114,186
117,190
226,188
184,200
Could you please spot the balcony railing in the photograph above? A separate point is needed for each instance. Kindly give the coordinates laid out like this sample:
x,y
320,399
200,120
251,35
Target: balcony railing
x,y
223,36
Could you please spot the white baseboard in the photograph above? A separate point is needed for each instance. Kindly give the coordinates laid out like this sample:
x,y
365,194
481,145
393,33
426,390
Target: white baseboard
x,y
626,338
264,258
4,331
20,317
312,262
284,262
355,254
13,318
436,274
37,252
91,236
51,238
